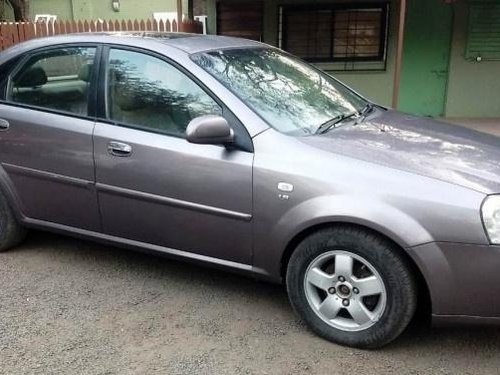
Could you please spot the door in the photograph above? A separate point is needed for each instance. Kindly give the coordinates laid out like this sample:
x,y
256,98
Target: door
x,y
426,56
154,186
46,139
240,19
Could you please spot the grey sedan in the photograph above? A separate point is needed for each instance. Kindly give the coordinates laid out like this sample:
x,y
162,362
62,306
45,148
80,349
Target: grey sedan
x,y
238,155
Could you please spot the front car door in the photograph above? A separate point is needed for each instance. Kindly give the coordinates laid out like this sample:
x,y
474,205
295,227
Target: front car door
x,y
153,186
46,139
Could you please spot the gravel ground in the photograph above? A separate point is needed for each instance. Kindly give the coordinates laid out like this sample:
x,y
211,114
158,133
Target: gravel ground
x,y
69,306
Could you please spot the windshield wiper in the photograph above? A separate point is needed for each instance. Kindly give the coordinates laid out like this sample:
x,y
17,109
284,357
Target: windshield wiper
x,y
332,124
365,111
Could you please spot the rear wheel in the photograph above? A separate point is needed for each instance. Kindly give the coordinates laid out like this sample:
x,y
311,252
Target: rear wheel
x,y
11,232
351,287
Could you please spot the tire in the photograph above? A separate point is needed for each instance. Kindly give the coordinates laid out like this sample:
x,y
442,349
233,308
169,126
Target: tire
x,y
381,291
11,232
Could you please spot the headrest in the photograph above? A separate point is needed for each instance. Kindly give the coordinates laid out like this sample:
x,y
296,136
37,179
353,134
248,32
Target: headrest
x,y
33,77
85,73
126,98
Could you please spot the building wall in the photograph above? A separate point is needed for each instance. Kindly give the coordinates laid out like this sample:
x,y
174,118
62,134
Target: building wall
x,y
94,9
61,8
473,88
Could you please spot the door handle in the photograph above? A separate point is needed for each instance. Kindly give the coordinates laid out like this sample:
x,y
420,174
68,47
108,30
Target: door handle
x,y
440,73
4,125
119,149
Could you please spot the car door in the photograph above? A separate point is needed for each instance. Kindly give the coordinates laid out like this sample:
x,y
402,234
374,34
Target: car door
x,y
46,144
153,186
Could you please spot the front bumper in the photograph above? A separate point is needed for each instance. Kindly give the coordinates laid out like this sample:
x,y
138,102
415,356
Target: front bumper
x,y
463,280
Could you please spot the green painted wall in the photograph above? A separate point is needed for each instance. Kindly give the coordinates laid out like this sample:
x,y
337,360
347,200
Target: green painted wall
x,y
94,9
61,8
473,88
374,85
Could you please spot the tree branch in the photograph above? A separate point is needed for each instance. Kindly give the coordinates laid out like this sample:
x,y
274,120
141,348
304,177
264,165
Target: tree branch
x,y
21,9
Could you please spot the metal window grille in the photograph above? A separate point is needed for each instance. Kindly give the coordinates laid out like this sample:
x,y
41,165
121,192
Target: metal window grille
x,y
335,33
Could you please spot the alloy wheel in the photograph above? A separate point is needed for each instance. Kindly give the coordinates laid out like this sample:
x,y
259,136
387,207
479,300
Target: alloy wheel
x,y
345,290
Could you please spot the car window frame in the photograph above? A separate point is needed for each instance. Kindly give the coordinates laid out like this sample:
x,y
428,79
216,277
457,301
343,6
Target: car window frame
x,y
6,68
92,98
243,140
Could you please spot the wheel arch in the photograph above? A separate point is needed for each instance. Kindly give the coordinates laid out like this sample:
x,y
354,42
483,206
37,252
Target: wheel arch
x,y
424,307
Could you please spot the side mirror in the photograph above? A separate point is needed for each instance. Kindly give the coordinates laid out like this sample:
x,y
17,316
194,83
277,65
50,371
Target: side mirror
x,y
209,130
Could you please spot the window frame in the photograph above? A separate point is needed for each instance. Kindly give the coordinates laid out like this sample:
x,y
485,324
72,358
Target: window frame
x,y
384,29
5,70
21,62
482,51
243,140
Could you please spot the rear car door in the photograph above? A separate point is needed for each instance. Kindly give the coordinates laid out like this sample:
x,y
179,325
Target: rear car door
x,y
46,136
153,186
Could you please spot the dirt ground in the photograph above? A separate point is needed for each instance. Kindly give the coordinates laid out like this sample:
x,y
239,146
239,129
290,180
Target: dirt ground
x,y
70,306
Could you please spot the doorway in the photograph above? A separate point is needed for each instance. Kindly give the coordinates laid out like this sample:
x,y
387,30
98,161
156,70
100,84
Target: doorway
x,y
426,58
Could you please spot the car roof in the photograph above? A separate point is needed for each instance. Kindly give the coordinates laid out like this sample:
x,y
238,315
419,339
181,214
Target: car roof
x,y
189,43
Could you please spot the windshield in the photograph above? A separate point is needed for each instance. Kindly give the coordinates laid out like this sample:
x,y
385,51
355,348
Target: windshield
x,y
292,96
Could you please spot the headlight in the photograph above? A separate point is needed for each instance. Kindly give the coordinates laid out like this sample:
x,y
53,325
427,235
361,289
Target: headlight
x,y
491,218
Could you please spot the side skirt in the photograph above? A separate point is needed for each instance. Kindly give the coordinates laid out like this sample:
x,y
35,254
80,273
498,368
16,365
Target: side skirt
x,y
239,268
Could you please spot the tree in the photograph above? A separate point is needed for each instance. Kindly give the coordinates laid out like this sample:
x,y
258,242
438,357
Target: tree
x,y
21,9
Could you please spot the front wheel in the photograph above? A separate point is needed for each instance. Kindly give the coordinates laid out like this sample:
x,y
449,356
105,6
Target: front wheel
x,y
351,287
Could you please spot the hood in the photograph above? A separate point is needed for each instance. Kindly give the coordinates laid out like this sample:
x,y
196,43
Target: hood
x,y
419,145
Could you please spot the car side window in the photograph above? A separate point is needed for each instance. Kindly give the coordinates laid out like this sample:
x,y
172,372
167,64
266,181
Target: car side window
x,y
58,79
149,93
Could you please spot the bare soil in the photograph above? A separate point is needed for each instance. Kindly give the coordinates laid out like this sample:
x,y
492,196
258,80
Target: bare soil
x,y
70,306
